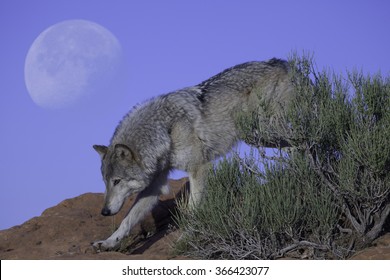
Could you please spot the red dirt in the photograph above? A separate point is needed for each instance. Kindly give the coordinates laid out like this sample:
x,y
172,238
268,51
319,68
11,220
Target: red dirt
x,y
66,231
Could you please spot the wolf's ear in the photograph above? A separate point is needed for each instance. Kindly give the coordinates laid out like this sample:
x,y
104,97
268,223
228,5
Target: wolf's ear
x,y
122,151
102,150
125,152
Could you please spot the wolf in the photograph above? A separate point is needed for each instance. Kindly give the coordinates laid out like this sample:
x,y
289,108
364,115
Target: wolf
x,y
186,129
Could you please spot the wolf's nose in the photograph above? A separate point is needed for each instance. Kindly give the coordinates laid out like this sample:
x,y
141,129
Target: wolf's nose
x,y
106,212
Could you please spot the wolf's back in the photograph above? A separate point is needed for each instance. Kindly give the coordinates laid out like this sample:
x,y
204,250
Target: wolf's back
x,y
241,89
247,82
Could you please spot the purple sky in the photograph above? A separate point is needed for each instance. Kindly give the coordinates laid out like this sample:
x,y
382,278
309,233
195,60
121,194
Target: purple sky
x,y
46,154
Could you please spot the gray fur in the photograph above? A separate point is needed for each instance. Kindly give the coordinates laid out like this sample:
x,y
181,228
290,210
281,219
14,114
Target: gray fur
x,y
186,129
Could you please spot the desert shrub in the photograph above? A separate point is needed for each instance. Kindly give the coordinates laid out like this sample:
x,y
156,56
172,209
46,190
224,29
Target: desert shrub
x,y
325,197
245,216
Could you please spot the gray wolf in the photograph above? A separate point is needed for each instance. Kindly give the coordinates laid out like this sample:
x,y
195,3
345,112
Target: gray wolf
x,y
185,129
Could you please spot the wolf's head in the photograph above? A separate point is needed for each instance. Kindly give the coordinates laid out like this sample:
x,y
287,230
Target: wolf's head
x,y
122,173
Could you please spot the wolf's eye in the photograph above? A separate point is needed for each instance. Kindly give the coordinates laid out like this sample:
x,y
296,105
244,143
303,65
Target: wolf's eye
x,y
116,181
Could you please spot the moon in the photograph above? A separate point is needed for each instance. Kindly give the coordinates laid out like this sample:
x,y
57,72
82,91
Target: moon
x,y
69,61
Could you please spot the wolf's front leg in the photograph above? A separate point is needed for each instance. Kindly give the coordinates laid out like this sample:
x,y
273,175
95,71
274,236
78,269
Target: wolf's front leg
x,y
197,183
144,203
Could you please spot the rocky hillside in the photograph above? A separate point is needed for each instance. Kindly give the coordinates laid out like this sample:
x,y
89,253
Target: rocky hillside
x,y
66,231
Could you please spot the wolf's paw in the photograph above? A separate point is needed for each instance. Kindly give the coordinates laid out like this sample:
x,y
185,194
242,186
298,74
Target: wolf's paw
x,y
105,245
